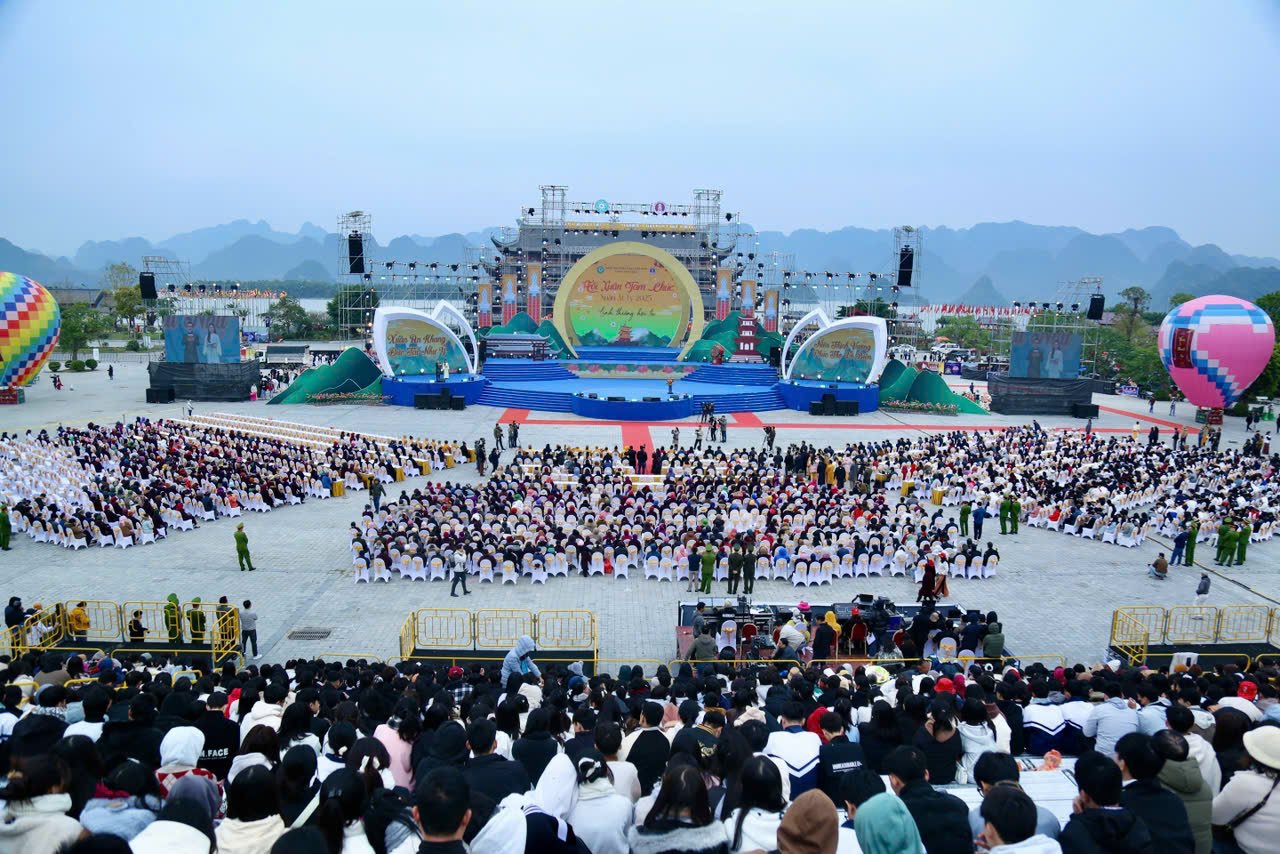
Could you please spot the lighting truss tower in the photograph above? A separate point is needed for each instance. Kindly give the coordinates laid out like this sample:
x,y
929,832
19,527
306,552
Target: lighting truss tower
x,y
356,315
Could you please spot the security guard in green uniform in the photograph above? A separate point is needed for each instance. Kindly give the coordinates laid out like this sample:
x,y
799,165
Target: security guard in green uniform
x,y
1226,545
708,568
1242,542
1015,513
1189,555
242,547
6,528
966,509
1006,507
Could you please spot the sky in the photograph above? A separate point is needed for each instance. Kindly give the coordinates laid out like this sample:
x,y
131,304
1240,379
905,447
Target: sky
x,y
148,118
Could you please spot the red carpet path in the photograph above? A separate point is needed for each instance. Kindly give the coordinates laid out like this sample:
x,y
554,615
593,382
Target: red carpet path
x,y
637,433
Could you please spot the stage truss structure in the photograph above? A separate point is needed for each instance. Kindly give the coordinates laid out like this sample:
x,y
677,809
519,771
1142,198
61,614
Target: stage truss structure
x,y
1065,313
178,294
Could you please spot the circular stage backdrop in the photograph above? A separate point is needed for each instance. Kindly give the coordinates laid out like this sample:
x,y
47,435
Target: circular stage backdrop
x,y
628,295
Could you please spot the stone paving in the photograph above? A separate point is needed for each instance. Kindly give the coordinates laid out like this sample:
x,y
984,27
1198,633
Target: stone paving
x,y
1054,593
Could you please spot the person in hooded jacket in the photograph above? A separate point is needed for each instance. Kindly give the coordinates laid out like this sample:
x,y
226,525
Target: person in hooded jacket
x,y
448,750
519,659
535,747
1098,822
36,802
1181,775
993,643
601,818
977,735
253,821
183,824
266,712
179,756
127,802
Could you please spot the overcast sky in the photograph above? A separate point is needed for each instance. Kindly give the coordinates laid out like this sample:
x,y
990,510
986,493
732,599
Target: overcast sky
x,y
151,118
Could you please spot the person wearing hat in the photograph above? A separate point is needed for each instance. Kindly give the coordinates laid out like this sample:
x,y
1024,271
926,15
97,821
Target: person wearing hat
x,y
1249,804
242,547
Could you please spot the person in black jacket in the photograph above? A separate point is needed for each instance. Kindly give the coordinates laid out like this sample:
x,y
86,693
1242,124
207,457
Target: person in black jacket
x,y
535,747
647,748
221,736
40,730
448,750
942,819
1098,822
584,734
1163,811
489,772
837,757
135,738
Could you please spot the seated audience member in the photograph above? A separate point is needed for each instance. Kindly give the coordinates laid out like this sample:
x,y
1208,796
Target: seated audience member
x,y
886,826
1001,769
1181,775
856,788
1009,824
943,819
1098,821
1162,810
797,748
1249,804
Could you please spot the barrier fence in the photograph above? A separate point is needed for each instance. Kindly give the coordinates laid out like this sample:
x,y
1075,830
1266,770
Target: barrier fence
x,y
79,624
496,629
1134,627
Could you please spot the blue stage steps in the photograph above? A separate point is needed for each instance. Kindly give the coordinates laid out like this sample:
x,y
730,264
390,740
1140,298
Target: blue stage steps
x,y
514,398
524,371
735,374
759,401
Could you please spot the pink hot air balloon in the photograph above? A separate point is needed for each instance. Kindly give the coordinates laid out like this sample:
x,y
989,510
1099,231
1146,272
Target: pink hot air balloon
x,y
1215,347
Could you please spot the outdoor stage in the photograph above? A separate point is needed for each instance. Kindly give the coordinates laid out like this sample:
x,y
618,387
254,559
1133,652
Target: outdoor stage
x,y
632,391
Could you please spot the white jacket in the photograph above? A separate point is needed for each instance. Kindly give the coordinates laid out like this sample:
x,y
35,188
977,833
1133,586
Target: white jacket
x,y
249,837
264,714
167,837
977,740
38,826
1202,752
1038,844
759,830
601,818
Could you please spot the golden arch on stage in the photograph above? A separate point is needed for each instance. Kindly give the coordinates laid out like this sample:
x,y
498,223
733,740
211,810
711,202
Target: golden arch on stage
x,y
686,317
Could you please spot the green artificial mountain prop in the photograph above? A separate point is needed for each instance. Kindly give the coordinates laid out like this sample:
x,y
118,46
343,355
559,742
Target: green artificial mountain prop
x,y
522,324
902,384
352,371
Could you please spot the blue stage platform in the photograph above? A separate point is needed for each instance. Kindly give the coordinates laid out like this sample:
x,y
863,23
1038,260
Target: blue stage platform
x,y
549,386
401,390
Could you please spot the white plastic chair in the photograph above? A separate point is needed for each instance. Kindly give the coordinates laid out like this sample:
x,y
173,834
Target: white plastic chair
x,y
361,570
509,574
989,568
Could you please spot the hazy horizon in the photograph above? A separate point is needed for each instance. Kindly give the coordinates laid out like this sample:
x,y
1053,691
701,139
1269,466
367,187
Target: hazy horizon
x,y
150,119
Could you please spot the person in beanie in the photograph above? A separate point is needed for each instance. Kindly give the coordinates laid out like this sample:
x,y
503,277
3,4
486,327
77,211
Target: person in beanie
x,y
809,826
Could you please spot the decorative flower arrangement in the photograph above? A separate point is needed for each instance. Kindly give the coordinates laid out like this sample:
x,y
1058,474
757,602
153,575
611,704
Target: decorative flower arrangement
x,y
642,369
920,406
371,398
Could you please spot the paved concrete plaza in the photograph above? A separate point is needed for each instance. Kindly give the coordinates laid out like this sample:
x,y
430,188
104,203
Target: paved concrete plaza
x,y
1054,593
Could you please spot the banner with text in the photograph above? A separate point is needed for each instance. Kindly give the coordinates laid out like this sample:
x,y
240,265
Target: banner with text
x,y
415,347
627,300
843,355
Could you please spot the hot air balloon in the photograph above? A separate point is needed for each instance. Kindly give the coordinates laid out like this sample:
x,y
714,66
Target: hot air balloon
x,y
1215,347
29,324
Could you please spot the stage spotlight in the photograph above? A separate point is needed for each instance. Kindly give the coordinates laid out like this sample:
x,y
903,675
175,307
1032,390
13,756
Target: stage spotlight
x,y
413,265
615,232
1017,304
187,288
453,267
1075,306
530,211
751,256
1045,306
873,276
368,277
829,277
173,288
1059,306
728,217
390,264
557,241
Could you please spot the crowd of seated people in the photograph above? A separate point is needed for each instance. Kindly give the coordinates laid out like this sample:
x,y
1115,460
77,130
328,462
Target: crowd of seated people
x,y
132,483
526,754
562,511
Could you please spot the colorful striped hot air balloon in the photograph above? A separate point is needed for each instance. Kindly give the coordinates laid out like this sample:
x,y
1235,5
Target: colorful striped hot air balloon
x,y
1215,347
29,324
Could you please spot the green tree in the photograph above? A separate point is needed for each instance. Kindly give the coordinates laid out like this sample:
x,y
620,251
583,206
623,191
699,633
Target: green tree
x,y
288,318
80,325
1128,314
965,331
1179,298
119,275
126,303
352,307
1268,382
1270,303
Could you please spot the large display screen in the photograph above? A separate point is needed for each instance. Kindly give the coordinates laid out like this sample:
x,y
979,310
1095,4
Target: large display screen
x,y
627,300
1045,355
415,346
843,355
202,338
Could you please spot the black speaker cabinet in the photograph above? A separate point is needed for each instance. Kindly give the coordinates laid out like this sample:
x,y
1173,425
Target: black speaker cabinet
x,y
1085,410
423,401
355,253
828,404
457,403
1097,305
617,398
815,407
147,284
652,399
846,407
161,395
